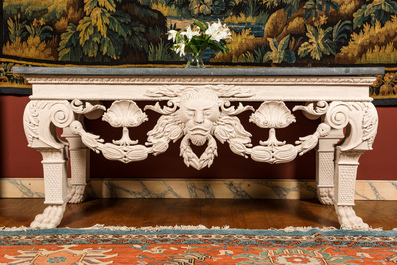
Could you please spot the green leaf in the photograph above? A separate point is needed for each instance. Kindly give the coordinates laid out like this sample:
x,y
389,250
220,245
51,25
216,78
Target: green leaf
x,y
67,38
334,5
107,48
304,49
200,25
268,56
273,44
283,43
100,19
86,30
309,4
289,57
89,5
359,17
339,28
91,48
108,4
64,54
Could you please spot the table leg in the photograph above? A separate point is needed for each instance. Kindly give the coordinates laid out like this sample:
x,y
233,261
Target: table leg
x,y
361,122
325,156
79,163
55,186
346,165
40,121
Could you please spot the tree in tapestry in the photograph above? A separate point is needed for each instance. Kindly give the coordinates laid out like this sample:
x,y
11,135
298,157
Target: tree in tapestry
x,y
265,33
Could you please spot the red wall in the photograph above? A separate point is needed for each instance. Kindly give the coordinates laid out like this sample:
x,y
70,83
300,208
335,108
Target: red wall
x,y
19,161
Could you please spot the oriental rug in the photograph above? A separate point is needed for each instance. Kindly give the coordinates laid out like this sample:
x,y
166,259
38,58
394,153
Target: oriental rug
x,y
100,245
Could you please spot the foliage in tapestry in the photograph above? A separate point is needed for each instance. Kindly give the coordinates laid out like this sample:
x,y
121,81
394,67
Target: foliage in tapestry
x,y
265,32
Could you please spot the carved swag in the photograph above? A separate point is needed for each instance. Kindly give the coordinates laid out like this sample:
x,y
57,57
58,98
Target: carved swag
x,y
199,115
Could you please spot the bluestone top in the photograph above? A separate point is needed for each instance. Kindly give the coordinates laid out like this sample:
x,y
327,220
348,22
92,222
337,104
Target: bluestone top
x,y
224,71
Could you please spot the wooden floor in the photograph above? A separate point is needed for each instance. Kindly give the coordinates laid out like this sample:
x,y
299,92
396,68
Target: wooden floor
x,y
247,214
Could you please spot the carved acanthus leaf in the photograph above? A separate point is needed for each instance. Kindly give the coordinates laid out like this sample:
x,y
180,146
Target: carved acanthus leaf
x,y
362,119
31,122
231,110
39,117
313,110
84,107
169,109
224,91
370,124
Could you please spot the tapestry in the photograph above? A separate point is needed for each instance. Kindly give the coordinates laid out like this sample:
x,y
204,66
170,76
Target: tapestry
x,y
265,33
203,246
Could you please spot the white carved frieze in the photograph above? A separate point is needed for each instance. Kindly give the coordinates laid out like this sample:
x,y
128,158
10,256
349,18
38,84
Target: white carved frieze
x,y
198,115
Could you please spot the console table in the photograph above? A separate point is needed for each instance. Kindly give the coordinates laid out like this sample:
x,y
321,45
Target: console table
x,y
200,107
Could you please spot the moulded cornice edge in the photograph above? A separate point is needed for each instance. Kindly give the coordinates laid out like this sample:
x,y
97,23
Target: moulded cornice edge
x,y
327,80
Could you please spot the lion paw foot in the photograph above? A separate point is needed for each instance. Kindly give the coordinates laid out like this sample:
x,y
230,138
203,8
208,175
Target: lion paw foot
x,y
77,194
50,218
325,195
349,220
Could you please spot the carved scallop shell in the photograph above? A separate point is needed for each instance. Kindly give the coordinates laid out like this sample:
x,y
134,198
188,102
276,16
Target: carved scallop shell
x,y
272,114
124,113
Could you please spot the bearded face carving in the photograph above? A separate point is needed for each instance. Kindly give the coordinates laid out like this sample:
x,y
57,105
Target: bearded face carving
x,y
199,111
197,116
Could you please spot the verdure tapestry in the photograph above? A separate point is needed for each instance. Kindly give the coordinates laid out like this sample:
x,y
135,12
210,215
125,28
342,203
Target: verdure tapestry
x,y
265,33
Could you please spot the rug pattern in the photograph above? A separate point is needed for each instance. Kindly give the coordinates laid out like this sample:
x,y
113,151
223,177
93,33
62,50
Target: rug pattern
x,y
73,246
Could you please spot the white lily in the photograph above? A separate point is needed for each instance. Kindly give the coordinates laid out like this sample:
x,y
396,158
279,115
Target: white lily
x,y
172,35
180,48
189,33
218,32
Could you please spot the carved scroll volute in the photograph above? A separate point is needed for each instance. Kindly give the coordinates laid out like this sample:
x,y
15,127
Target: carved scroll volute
x,y
40,117
362,119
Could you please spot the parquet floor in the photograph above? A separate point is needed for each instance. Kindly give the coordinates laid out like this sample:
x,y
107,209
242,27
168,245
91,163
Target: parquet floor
x,y
236,213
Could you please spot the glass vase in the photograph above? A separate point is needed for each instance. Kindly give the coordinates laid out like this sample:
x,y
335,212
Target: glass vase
x,y
195,60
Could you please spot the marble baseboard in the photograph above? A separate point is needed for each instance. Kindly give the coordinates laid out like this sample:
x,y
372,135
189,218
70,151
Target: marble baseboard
x,y
182,188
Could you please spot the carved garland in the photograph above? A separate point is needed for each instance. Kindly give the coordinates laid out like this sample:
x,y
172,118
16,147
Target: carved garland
x,y
197,116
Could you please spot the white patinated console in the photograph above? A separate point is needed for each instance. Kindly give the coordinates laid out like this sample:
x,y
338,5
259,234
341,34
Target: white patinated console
x,y
195,107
